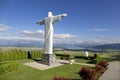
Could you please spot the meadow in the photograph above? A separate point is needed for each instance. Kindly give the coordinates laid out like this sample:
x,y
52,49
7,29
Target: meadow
x,y
28,73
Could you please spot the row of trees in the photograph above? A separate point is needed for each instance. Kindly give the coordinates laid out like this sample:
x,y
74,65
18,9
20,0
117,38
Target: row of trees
x,y
17,54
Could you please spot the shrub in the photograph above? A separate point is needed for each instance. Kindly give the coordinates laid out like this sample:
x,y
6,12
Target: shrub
x,y
8,67
62,55
96,60
2,56
16,54
99,69
103,64
87,73
61,58
91,58
61,78
70,56
34,54
95,55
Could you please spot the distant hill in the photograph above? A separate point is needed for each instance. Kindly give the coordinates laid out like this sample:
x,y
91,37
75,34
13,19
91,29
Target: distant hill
x,y
84,46
108,46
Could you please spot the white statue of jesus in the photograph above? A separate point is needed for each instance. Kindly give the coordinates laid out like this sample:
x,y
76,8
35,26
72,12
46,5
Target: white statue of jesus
x,y
48,22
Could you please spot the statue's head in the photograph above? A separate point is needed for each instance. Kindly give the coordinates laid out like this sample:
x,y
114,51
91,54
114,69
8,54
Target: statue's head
x,y
49,14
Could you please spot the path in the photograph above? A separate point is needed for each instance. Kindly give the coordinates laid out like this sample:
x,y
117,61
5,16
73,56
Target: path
x,y
85,64
40,66
113,72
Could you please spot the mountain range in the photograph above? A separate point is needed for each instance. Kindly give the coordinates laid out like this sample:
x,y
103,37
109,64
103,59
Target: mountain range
x,y
65,46
108,46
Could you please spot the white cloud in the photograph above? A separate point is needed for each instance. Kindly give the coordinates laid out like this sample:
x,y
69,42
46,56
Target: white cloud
x,y
11,38
64,36
37,34
40,34
31,32
103,37
107,40
27,32
40,31
4,27
101,30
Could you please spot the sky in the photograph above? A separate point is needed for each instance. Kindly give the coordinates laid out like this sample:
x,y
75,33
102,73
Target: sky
x,y
88,21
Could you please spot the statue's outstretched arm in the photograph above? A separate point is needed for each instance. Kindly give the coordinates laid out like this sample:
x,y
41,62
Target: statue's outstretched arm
x,y
58,17
41,22
63,15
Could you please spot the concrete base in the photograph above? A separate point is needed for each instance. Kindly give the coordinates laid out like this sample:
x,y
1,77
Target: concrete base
x,y
48,59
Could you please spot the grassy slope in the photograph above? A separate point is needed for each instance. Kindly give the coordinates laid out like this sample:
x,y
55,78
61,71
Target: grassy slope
x,y
28,73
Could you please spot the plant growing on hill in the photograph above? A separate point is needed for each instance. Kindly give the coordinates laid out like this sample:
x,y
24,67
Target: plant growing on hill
x,y
61,78
70,57
99,69
8,67
97,60
87,73
103,64
95,55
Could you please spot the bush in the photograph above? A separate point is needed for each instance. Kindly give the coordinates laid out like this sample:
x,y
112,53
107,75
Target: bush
x,y
95,55
93,74
87,73
61,78
103,64
34,54
8,67
96,60
62,55
99,69
16,54
70,56
13,54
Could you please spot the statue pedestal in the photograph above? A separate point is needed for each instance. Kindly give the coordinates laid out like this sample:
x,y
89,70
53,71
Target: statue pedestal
x,y
48,59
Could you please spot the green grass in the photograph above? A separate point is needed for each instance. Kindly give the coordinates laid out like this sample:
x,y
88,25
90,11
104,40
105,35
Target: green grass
x,y
111,56
28,73
82,60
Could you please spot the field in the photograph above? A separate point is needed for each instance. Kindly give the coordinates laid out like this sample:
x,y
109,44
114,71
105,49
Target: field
x,y
67,70
28,73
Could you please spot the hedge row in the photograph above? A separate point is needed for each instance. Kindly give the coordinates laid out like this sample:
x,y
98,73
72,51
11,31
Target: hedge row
x,y
8,67
17,54
13,55
62,55
34,54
